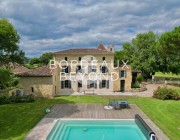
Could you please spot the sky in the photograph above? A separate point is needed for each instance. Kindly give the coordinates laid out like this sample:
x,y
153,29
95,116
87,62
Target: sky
x,y
55,25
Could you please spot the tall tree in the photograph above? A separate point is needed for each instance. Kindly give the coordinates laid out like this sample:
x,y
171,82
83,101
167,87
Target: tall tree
x,y
141,53
46,57
9,39
169,51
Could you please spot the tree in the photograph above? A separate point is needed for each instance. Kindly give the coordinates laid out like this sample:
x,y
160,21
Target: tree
x,y
9,50
7,79
142,53
124,54
46,57
33,61
169,51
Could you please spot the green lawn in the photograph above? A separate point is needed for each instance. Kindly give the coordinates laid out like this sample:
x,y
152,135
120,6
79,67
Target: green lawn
x,y
166,75
16,120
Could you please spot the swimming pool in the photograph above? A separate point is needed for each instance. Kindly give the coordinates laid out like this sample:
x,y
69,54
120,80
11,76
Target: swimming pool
x,y
96,130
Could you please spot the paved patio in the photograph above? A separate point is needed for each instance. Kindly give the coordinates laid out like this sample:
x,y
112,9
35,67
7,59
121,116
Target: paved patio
x,y
148,93
87,111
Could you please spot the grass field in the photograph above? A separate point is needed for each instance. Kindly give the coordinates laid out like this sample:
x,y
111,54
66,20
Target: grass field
x,y
16,120
166,75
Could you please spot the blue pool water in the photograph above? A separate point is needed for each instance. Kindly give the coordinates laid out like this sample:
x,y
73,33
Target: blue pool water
x,y
96,130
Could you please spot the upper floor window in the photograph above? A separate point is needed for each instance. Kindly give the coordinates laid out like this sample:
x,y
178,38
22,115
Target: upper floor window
x,y
65,58
79,58
104,58
122,74
103,69
78,69
91,68
66,69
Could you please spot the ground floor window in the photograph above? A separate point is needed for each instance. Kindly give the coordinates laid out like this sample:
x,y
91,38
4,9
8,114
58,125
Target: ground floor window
x,y
104,84
32,89
91,84
65,84
79,83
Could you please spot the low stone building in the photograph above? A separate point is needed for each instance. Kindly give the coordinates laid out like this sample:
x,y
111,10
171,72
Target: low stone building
x,y
38,82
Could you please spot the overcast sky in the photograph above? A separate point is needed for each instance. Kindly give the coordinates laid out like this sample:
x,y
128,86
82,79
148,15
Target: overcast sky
x,y
54,25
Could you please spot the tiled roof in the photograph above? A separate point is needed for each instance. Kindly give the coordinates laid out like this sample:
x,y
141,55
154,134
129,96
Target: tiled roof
x,y
19,69
101,47
100,50
42,71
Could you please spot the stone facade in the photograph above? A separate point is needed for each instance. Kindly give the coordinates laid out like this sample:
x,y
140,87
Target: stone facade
x,y
127,79
38,86
78,70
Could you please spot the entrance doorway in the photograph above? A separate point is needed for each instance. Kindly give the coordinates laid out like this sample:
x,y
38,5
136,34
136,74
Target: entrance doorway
x,y
122,85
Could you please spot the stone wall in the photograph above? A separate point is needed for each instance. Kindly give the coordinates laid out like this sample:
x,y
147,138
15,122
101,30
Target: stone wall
x,y
127,78
38,86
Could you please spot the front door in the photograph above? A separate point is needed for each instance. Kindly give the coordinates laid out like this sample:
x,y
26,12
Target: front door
x,y
122,85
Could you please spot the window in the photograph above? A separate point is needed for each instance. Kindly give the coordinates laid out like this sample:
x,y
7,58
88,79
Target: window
x,y
79,58
91,84
65,84
122,73
104,84
78,69
65,69
32,89
79,83
104,58
111,49
103,69
65,58
91,68
91,58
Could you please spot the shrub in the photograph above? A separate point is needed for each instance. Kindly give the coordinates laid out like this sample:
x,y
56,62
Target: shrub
x,y
16,99
139,78
166,94
135,85
4,100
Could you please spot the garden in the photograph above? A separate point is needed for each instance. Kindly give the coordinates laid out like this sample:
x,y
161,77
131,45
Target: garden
x,y
16,120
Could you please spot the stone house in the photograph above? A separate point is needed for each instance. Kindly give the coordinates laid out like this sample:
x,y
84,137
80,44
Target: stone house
x,y
86,70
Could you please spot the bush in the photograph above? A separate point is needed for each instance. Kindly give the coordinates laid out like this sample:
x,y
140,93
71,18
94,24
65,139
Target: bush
x,y
166,94
16,99
139,78
135,85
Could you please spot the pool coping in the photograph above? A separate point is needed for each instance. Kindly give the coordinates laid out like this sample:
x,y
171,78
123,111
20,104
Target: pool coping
x,y
44,127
